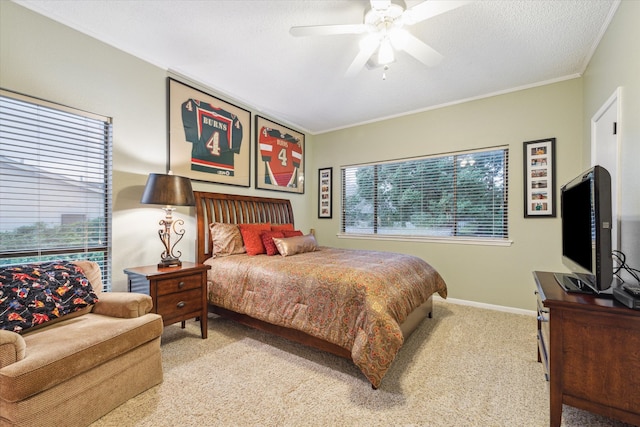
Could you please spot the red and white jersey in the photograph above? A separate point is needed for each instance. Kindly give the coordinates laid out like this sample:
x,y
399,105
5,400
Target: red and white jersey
x,y
282,154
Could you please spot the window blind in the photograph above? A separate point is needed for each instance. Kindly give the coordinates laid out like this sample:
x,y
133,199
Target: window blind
x,y
55,183
456,195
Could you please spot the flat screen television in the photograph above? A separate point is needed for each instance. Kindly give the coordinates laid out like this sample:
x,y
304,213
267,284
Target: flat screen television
x,y
585,204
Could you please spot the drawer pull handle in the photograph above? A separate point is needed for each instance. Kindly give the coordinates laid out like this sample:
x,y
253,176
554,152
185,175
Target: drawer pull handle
x,y
181,285
181,304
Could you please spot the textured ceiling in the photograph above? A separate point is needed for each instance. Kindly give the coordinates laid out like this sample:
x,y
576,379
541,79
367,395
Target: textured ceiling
x,y
242,49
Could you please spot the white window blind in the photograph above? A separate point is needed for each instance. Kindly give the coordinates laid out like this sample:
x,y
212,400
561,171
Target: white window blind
x,y
55,183
457,195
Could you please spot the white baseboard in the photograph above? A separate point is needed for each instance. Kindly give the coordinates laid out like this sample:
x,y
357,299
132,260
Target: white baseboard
x,y
488,306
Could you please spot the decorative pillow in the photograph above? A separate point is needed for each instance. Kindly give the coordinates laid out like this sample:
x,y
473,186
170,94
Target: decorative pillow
x,y
296,245
267,241
292,233
226,239
281,227
251,237
32,294
91,270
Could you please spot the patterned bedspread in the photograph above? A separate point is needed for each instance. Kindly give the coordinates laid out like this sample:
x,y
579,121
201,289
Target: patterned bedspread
x,y
355,299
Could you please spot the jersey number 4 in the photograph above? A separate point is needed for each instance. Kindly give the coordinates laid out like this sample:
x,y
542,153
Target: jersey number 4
x,y
213,144
282,155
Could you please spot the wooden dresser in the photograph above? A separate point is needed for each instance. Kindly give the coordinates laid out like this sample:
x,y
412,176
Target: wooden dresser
x,y
590,349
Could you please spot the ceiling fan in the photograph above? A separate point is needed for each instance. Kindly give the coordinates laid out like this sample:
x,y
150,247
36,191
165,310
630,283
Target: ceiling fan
x,y
385,29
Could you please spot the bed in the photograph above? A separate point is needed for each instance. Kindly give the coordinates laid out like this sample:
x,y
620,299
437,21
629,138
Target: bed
x,y
332,299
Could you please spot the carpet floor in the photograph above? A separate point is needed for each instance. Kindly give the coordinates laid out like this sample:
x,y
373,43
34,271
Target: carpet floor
x,y
465,367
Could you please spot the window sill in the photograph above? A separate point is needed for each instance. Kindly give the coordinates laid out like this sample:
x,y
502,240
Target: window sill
x,y
429,239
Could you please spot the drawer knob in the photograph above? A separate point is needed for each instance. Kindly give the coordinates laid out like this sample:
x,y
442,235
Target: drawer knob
x,y
181,285
181,304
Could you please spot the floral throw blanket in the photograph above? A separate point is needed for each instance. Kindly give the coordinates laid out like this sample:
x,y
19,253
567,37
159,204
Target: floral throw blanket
x,y
355,299
32,294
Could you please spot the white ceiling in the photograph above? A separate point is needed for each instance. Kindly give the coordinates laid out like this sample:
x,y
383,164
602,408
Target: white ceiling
x,y
242,49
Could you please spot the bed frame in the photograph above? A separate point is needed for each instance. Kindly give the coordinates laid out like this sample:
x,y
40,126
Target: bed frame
x,y
235,209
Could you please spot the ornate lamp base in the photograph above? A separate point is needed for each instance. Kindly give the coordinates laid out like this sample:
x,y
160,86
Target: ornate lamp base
x,y
169,262
168,258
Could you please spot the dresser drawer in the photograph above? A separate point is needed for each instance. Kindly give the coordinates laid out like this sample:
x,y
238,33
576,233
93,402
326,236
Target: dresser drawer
x,y
177,305
178,284
543,335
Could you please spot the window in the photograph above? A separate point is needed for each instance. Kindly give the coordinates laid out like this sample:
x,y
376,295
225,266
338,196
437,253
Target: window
x,y
55,183
454,196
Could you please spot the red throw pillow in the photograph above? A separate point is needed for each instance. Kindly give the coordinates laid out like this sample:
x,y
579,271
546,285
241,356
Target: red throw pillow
x,y
281,227
251,237
292,233
262,226
269,244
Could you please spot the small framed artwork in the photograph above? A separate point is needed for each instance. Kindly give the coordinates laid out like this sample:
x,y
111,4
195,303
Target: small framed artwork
x,y
539,178
209,139
279,157
325,207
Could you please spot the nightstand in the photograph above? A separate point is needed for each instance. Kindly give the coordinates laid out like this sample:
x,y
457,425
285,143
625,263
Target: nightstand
x,y
178,293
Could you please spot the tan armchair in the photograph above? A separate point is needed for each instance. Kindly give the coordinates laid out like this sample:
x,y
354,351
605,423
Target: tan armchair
x,y
74,370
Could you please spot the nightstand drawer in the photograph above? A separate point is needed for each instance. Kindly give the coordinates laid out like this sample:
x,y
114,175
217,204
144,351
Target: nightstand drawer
x,y
178,284
178,293
179,304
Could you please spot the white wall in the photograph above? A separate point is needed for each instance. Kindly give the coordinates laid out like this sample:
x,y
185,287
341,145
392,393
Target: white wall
x,y
616,63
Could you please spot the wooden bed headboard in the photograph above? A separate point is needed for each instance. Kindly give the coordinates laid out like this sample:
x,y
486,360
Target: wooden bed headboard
x,y
235,209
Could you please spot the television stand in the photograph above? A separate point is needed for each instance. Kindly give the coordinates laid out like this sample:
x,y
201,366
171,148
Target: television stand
x,y
588,346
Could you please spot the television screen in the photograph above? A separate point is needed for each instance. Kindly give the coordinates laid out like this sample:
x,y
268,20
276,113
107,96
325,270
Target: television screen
x,y
586,232
578,230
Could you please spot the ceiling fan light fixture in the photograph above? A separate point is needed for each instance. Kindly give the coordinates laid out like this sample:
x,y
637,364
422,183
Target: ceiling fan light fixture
x,y
369,43
383,14
384,33
385,52
399,38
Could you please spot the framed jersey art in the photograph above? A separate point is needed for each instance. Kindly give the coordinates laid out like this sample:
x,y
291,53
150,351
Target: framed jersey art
x,y
209,139
279,157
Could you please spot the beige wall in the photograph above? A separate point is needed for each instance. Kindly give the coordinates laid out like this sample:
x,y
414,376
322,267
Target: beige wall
x,y
616,63
41,58
488,274
45,59
502,275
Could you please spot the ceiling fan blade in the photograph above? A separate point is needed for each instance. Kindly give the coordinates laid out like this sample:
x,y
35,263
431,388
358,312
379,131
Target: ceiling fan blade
x,y
367,47
422,52
327,30
430,8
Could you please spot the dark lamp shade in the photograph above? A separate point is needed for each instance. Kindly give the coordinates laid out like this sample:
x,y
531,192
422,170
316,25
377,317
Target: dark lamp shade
x,y
168,190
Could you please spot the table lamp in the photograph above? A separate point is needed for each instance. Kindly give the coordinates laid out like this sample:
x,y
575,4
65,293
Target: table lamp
x,y
169,190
